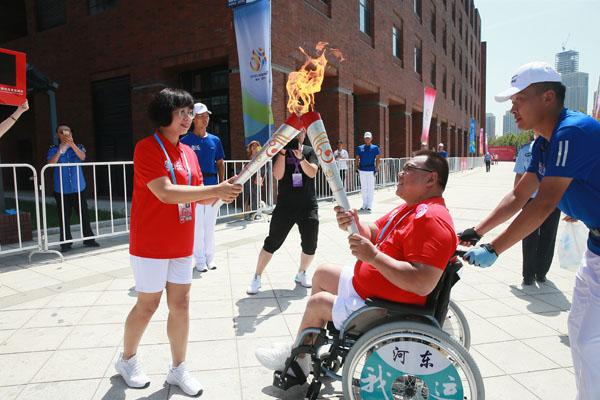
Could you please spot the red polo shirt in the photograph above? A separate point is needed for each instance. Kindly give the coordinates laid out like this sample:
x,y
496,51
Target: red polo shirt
x,y
422,233
155,228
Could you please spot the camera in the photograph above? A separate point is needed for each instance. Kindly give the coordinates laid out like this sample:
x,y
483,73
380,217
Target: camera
x,y
293,144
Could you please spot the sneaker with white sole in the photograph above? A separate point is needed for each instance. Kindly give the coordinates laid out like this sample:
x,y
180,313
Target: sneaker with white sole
x,y
274,358
212,265
303,280
132,373
254,285
201,267
181,377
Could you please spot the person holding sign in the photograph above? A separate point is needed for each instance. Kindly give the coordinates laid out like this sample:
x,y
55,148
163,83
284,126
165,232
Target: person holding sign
x,y
167,184
10,121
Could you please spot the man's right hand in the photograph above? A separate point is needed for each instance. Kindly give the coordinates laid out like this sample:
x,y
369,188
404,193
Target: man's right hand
x,y
469,237
228,191
345,218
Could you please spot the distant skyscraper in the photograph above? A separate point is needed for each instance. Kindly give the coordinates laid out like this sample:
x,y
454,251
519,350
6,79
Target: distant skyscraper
x,y
490,126
596,106
509,124
567,64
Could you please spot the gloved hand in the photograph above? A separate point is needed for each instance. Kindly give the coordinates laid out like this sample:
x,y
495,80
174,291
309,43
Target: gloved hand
x,y
483,256
469,237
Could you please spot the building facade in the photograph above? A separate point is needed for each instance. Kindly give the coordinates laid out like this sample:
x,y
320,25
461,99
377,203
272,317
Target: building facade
x,y
509,125
490,125
576,82
108,57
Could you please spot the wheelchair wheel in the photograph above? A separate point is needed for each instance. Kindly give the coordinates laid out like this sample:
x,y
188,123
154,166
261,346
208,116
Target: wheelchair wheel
x,y
410,360
456,325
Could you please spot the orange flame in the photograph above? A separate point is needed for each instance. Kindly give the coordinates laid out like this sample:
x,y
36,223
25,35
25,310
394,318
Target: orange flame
x,y
302,85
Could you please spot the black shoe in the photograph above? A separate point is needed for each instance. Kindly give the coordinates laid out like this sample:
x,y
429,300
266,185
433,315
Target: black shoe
x,y
65,247
527,281
91,243
540,278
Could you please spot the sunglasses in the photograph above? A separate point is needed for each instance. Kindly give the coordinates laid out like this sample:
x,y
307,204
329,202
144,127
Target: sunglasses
x,y
411,167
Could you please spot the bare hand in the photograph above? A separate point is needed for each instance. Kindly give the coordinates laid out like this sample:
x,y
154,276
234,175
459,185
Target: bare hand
x,y
345,218
24,107
228,191
362,248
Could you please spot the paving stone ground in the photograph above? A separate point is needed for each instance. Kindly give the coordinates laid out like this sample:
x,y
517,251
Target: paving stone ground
x,y
61,324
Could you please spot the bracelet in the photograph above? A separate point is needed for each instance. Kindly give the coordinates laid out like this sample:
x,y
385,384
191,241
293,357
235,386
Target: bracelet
x,y
13,118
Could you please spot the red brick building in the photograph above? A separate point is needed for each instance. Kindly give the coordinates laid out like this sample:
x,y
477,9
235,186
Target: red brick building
x,y
109,56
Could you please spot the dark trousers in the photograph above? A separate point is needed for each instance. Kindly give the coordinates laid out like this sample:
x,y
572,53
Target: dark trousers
x,y
487,166
538,247
284,218
71,203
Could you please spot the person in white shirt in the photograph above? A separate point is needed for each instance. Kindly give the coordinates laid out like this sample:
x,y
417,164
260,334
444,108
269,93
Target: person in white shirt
x,y
341,156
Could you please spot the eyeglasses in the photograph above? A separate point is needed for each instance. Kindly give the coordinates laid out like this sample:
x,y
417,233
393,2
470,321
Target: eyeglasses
x,y
410,167
184,112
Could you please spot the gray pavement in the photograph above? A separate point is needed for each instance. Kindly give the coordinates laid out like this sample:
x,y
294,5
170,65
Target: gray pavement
x,y
61,324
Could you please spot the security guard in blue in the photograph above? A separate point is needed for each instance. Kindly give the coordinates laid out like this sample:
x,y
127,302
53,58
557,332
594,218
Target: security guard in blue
x,y
209,150
565,169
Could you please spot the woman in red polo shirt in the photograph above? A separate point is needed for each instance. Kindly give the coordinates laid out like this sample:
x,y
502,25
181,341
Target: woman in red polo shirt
x,y
167,182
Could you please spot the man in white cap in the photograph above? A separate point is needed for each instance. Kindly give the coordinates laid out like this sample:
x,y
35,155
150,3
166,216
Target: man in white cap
x,y
209,150
565,169
367,162
441,151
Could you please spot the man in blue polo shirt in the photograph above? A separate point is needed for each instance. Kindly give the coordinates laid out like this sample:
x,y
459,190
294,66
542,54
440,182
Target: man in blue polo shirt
x,y
210,155
565,167
367,161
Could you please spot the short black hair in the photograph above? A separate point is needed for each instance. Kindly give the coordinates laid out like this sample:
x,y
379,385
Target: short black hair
x,y
438,164
68,126
557,87
162,105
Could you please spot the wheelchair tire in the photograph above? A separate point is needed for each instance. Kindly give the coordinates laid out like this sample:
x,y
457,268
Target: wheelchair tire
x,y
392,361
457,326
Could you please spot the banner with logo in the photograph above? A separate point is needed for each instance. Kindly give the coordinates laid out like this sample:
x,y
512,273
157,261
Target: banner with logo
x,y
13,77
252,21
481,140
472,136
428,101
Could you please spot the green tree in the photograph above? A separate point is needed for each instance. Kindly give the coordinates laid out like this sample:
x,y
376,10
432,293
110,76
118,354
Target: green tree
x,y
512,139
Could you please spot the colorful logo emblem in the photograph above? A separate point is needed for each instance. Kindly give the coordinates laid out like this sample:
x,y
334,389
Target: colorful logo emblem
x,y
258,59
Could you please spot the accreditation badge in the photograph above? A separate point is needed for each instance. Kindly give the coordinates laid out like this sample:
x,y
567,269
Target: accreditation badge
x,y
185,212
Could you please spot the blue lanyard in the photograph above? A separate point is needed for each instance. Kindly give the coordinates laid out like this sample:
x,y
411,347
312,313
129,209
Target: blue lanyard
x,y
380,238
170,164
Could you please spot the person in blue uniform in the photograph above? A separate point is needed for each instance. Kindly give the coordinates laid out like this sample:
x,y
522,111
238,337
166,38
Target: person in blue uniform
x,y
72,188
367,162
209,150
565,170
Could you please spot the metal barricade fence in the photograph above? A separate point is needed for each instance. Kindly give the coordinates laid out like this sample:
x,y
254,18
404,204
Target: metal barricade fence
x,y
16,230
111,206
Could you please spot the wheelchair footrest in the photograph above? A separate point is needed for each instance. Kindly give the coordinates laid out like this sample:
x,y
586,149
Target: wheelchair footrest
x,y
284,380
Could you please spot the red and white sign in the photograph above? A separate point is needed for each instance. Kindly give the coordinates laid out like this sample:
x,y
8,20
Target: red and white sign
x,y
504,153
13,78
481,140
428,101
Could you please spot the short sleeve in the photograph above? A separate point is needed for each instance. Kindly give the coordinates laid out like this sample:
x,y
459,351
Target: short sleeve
x,y
148,162
51,152
377,151
520,168
219,153
432,241
536,156
569,155
194,166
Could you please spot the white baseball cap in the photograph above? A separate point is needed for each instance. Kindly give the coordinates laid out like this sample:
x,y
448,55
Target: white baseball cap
x,y
200,108
533,72
368,135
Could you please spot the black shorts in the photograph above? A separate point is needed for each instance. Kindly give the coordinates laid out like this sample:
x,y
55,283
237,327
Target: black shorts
x,y
283,219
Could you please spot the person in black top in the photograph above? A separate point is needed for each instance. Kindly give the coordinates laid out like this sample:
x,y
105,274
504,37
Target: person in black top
x,y
295,169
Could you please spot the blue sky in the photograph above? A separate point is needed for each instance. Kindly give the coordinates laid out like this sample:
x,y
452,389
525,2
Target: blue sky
x,y
519,31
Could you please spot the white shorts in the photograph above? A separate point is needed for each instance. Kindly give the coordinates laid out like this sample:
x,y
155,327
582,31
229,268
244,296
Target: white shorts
x,y
347,300
152,274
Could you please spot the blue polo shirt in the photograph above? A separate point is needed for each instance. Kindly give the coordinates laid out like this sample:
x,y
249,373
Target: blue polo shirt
x,y
69,174
523,160
208,149
367,155
573,152
443,153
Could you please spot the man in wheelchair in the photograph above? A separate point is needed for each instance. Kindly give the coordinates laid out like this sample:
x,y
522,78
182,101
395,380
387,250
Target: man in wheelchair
x,y
400,257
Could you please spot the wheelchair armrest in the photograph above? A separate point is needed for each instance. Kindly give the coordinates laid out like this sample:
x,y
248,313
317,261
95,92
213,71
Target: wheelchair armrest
x,y
398,308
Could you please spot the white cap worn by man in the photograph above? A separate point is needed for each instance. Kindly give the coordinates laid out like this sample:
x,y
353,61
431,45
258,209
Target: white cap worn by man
x,y
533,72
200,108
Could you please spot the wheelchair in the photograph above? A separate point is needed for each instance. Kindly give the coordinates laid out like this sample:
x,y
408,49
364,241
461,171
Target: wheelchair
x,y
391,351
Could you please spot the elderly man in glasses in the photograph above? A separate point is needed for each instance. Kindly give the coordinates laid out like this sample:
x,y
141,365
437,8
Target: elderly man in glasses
x,y
400,257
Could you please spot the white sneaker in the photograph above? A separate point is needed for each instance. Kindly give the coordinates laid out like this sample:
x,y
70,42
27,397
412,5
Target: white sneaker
x,y
303,280
274,358
212,265
201,267
181,377
132,373
254,285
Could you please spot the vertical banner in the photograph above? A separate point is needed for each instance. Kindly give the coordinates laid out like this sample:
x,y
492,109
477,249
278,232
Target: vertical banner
x,y
596,109
428,101
252,21
13,77
481,140
472,136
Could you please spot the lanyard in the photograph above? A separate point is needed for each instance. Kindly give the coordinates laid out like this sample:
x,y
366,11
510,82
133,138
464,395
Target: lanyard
x,y
380,238
170,164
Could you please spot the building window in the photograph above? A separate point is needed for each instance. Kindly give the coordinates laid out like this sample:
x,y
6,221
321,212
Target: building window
x,y
418,58
460,97
14,20
444,38
364,16
454,52
397,43
433,76
418,9
99,6
454,12
453,89
460,61
460,27
433,23
50,14
445,82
